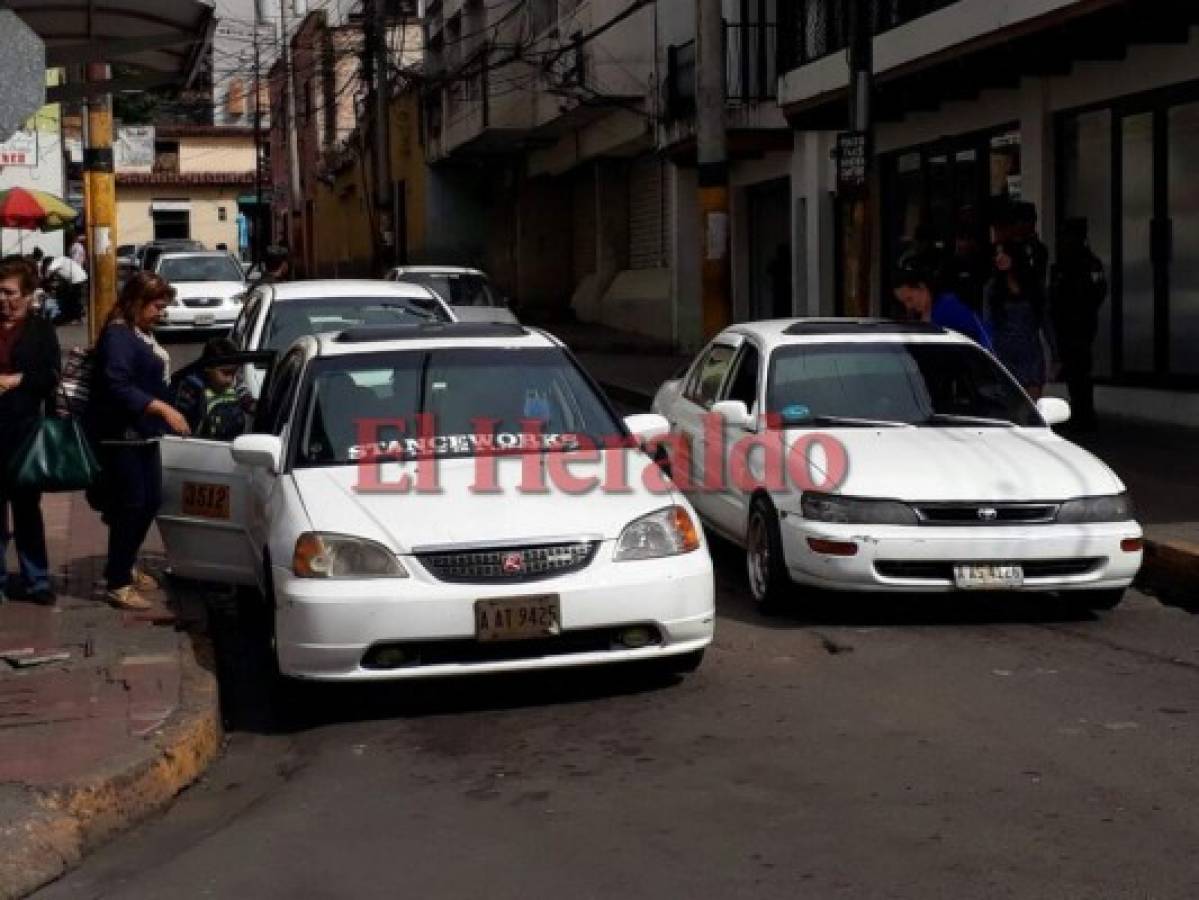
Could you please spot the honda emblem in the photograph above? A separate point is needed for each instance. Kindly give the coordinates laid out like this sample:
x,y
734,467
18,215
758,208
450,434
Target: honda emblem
x,y
513,563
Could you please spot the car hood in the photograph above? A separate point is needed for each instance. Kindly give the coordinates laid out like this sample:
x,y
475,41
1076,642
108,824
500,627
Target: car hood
x,y
458,515
942,464
208,288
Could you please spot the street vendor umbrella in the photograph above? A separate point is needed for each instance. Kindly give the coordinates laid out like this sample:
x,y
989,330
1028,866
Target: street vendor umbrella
x,y
34,210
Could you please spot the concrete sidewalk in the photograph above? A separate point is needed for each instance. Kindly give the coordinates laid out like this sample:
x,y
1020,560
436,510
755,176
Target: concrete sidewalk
x,y
1159,463
92,744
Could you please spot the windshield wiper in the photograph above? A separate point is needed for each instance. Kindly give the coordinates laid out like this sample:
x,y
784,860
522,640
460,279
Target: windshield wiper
x,y
848,421
949,419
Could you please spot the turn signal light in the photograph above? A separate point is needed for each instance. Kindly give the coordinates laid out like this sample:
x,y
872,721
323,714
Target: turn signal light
x,y
688,533
1132,545
833,548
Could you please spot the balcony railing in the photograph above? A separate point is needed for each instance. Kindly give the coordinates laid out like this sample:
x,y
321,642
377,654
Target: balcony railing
x,y
813,29
750,68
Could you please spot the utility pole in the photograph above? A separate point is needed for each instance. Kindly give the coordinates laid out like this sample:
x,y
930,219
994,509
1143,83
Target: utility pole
x,y
256,237
712,150
377,64
296,237
855,185
100,203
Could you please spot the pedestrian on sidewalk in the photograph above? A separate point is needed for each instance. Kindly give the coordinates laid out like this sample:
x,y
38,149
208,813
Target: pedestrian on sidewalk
x,y
1015,311
128,412
275,268
1077,289
29,365
917,291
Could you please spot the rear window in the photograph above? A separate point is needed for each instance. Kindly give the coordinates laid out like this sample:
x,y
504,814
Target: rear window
x,y
289,320
456,289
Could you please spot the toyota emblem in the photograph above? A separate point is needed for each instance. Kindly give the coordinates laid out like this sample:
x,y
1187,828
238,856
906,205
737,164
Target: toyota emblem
x,y
988,514
513,563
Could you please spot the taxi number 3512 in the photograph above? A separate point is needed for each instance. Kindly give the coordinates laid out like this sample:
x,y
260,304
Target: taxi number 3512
x,y
210,501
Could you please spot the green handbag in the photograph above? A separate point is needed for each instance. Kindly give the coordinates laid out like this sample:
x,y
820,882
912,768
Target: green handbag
x,y
56,457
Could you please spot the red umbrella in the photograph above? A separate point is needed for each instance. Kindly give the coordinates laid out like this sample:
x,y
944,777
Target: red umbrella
x,y
33,210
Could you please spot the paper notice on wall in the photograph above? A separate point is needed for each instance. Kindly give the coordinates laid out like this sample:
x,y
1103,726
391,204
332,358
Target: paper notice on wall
x,y
717,236
101,240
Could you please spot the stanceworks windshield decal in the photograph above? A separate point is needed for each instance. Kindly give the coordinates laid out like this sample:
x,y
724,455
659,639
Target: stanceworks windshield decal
x,y
462,444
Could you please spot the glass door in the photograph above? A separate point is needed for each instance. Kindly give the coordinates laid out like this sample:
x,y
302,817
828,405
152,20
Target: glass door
x,y
1137,272
1183,231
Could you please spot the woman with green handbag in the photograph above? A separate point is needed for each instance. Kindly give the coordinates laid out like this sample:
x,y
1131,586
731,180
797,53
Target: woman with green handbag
x,y
29,365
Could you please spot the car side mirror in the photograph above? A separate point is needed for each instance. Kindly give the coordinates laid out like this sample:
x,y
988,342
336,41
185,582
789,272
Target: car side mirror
x,y
647,427
259,451
735,414
1054,410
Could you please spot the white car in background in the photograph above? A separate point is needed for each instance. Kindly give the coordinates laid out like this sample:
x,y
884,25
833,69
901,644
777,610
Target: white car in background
x,y
208,285
468,291
953,478
273,316
369,584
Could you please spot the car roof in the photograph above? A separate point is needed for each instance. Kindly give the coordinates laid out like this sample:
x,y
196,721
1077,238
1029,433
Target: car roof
x,y
345,288
433,336
436,270
774,333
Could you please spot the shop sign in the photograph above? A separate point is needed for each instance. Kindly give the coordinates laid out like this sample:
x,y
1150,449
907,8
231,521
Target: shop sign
x,y
853,153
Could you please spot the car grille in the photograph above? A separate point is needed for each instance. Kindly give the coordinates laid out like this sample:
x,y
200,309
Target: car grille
x,y
464,651
201,302
941,570
983,514
509,564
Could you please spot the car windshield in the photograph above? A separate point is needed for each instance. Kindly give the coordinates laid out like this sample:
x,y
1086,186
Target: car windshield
x,y
471,402
934,385
456,289
199,268
292,319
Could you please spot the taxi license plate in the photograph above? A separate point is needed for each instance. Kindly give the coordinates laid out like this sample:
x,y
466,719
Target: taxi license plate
x,y
208,501
988,578
203,319
518,618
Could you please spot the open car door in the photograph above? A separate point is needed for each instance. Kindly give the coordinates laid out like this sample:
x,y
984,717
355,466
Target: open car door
x,y
205,501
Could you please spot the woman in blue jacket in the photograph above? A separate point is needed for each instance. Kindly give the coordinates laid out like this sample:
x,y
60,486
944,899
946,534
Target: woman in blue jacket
x,y
916,290
128,412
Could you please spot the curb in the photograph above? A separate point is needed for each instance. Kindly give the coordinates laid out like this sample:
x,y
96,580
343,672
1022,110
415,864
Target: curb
x,y
52,830
1170,569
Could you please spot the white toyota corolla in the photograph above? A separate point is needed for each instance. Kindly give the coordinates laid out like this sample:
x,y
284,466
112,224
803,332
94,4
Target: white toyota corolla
x,y
906,459
510,563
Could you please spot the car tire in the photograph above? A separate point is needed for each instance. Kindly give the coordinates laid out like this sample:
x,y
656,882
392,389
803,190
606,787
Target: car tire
x,y
766,569
1102,601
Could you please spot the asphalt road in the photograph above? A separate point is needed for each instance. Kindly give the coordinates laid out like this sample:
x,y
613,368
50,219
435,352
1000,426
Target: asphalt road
x,y
923,748
965,747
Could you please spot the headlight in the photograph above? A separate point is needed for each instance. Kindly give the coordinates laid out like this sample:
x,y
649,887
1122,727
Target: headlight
x,y
1112,508
855,511
341,556
667,532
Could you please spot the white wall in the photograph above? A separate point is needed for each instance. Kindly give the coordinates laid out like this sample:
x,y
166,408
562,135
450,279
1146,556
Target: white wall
x,y
47,176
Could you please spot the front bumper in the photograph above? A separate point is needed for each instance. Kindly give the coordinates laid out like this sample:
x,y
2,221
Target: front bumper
x,y
324,629
920,558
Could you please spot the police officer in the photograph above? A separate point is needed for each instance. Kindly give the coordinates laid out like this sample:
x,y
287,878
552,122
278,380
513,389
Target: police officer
x,y
1077,289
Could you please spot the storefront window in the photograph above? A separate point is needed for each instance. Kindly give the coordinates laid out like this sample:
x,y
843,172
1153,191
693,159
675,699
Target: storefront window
x,y
1087,195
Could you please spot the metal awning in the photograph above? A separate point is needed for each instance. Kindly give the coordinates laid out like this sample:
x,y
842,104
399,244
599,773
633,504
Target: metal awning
x,y
165,41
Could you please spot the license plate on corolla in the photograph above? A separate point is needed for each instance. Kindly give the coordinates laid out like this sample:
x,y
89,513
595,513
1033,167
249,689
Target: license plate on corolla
x,y
518,618
988,578
203,319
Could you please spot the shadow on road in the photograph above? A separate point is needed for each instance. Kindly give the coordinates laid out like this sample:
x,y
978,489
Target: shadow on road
x,y
860,609
254,699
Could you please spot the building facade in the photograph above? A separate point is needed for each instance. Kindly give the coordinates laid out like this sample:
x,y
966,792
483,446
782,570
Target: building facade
x,y
1088,110
198,183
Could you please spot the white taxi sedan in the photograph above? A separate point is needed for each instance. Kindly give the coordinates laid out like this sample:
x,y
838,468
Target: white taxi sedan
x,y
919,466
274,315
208,286
369,582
